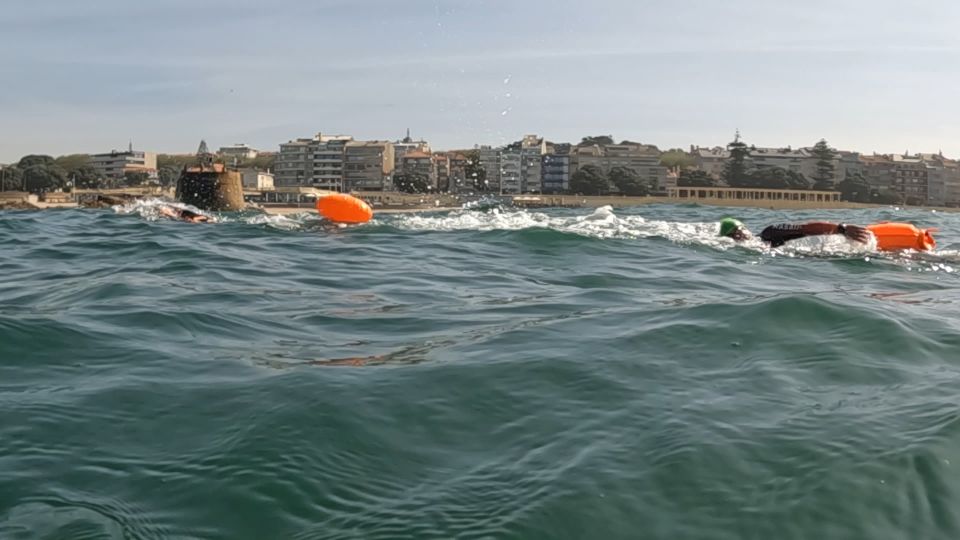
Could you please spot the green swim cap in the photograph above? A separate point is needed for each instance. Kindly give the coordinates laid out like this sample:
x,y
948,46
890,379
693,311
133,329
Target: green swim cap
x,y
728,225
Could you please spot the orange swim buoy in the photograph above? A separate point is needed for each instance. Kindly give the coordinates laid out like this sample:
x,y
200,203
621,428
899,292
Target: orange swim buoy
x,y
344,208
891,236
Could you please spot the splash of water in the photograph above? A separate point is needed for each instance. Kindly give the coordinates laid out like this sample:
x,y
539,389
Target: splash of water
x,y
604,223
150,209
491,214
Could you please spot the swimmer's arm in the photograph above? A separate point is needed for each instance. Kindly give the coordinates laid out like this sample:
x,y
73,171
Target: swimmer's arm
x,y
776,235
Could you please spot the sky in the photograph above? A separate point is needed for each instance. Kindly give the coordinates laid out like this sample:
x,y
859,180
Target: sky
x,y
90,76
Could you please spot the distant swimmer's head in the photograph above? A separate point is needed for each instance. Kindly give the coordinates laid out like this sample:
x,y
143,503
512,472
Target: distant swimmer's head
x,y
732,228
193,217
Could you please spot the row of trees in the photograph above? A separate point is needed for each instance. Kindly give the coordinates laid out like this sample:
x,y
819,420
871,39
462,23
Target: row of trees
x,y
39,173
738,171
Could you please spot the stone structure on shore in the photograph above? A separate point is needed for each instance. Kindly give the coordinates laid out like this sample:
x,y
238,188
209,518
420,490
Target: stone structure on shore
x,y
210,186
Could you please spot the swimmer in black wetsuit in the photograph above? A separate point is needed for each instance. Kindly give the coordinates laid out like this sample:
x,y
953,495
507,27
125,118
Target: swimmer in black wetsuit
x,y
776,235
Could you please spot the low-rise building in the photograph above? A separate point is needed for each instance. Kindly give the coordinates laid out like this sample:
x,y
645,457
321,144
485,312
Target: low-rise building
x,y
256,180
117,164
798,160
710,160
239,151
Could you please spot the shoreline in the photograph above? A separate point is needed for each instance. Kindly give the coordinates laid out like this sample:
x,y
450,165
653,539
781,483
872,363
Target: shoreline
x,y
559,202
288,210
625,202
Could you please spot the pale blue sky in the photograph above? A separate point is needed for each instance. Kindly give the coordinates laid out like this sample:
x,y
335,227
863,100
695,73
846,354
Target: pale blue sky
x,y
87,76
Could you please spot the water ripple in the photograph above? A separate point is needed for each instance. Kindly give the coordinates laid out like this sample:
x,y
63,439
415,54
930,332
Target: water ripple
x,y
482,373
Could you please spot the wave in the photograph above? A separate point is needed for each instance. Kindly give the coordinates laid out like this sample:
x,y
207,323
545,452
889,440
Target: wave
x,y
604,223
150,209
489,215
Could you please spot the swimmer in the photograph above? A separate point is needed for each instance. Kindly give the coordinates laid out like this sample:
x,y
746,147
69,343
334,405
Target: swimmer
x,y
776,235
183,215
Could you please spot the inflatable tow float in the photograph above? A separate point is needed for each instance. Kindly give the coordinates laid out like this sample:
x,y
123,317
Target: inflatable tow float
x,y
343,208
892,236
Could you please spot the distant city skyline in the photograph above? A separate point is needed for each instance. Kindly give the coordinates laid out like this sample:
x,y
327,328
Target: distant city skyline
x,y
89,77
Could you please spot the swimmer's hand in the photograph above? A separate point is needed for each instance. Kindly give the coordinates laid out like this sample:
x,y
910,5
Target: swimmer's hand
x,y
856,233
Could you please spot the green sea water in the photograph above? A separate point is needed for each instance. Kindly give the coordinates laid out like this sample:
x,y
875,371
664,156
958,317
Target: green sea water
x,y
481,373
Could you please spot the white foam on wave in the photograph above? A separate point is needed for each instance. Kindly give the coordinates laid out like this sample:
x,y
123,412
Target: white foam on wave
x,y
149,209
276,221
603,222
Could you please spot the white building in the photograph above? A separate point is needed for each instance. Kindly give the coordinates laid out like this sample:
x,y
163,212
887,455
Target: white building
x,y
710,160
643,159
799,160
239,151
116,164
257,180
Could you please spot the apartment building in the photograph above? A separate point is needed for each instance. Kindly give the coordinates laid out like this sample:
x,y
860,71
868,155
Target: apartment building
x,y
644,159
367,165
421,163
910,178
490,160
556,169
316,162
710,160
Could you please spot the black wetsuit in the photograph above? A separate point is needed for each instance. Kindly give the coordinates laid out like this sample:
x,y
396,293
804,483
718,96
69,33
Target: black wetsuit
x,y
776,235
